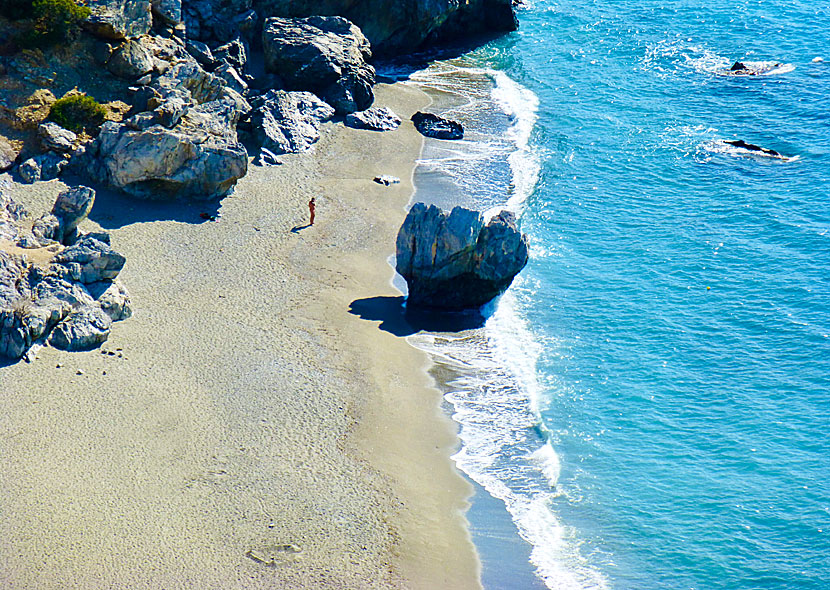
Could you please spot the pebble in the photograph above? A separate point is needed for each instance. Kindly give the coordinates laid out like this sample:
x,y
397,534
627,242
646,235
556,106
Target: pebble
x,y
79,372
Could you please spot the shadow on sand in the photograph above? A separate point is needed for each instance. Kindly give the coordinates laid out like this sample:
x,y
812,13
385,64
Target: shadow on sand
x,y
396,319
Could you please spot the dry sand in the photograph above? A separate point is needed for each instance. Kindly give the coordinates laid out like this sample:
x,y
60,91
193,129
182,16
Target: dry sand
x,y
246,430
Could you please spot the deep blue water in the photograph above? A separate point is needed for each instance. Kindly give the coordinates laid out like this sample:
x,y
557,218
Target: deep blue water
x,y
651,398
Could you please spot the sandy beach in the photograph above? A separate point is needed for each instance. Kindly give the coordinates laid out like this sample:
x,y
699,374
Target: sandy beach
x,y
243,429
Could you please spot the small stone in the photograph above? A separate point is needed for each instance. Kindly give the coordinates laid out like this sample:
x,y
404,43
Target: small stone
x,y
79,372
58,366
386,179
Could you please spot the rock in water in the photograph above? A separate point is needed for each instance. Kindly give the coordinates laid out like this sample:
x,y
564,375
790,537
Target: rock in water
x,y
455,261
436,127
324,55
374,119
288,122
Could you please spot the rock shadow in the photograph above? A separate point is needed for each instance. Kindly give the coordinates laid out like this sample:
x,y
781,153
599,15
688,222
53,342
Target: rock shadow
x,y
397,319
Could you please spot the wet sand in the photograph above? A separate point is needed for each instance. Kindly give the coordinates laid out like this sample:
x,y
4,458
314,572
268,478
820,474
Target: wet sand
x,y
243,429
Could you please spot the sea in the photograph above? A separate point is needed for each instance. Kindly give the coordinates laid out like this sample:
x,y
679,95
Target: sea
x,y
648,405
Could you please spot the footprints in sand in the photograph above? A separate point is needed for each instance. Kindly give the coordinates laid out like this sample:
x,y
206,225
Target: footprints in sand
x,y
274,555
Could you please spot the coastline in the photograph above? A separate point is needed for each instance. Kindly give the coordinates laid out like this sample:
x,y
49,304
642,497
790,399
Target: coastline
x,y
248,431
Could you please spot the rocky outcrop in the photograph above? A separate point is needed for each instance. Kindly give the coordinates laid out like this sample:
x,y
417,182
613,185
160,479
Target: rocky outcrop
x,y
46,166
56,138
401,27
288,122
8,154
199,158
374,119
430,125
324,55
131,60
457,261
57,286
119,19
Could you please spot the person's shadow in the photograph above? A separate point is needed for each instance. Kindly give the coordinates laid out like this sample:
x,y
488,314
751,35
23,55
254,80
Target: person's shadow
x,y
298,228
397,319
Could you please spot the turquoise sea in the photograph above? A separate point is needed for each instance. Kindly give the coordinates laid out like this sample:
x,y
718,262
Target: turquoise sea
x,y
650,401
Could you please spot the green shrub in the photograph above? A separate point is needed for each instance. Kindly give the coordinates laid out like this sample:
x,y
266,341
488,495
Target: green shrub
x,y
77,112
54,21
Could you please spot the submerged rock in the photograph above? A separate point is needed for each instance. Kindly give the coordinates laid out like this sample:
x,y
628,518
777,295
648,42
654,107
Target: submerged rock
x,y
436,127
455,261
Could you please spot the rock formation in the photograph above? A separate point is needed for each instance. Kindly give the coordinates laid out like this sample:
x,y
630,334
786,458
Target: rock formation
x,y
119,19
436,127
374,119
455,261
324,55
56,285
288,122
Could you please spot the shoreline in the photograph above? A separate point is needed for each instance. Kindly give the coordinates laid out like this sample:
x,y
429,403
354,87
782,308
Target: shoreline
x,y
237,441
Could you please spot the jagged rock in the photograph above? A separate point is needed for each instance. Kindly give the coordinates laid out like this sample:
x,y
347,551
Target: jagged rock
x,y
83,329
119,19
171,111
142,121
8,154
404,26
233,53
199,158
267,158
54,137
455,261
113,299
374,119
169,12
288,122
72,206
131,60
29,171
436,127
97,260
387,180
201,53
231,77
47,228
324,55
46,166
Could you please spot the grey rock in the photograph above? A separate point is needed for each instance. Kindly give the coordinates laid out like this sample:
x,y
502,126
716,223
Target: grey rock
x,y
288,122
29,171
47,228
54,137
51,165
431,125
231,77
142,121
98,260
141,96
72,206
455,261
101,52
233,53
171,111
324,55
8,154
131,60
373,119
113,299
83,329
119,19
267,158
168,12
201,53
387,180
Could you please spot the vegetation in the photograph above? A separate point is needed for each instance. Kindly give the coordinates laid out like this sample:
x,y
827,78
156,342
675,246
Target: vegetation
x,y
53,21
77,112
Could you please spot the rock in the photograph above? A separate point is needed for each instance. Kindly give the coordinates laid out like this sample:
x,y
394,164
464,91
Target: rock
x,y
201,53
8,154
401,27
113,299
54,137
267,158
119,19
324,55
455,261
170,112
231,77
232,53
168,12
199,158
288,122
387,180
142,121
436,127
82,330
29,171
131,60
101,52
374,119
97,260
72,206
51,165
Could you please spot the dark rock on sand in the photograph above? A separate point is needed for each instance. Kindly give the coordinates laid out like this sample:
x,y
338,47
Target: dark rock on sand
x,y
324,55
374,119
436,127
455,261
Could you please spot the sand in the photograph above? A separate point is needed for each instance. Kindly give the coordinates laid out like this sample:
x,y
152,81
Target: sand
x,y
243,429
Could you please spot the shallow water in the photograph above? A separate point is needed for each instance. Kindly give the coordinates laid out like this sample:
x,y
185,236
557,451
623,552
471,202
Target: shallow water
x,y
650,398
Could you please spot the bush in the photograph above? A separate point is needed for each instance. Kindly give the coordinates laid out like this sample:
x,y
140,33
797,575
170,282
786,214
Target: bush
x,y
54,21
77,112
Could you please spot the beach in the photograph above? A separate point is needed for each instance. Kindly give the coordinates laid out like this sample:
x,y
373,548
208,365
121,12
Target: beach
x,y
243,429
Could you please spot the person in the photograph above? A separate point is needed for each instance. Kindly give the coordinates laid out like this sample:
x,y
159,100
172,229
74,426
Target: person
x,y
311,209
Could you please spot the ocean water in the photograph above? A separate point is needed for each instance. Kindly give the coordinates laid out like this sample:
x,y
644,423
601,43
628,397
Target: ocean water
x,y
650,400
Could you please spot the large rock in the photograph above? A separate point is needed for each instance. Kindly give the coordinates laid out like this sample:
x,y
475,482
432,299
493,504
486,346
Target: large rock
x,y
455,261
72,206
8,154
374,119
131,60
436,127
97,260
403,26
169,12
324,55
288,122
54,137
199,158
119,19
83,329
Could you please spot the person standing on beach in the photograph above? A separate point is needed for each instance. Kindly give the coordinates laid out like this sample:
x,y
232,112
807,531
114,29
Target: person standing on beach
x,y
311,208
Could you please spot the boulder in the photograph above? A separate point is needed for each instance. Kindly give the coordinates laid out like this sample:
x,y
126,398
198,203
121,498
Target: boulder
x,y
456,261
97,260
387,180
119,19
72,206
233,53
113,299
83,329
131,60
44,167
201,53
168,12
199,158
231,77
324,55
436,127
374,119
288,122
8,154
29,171
56,138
